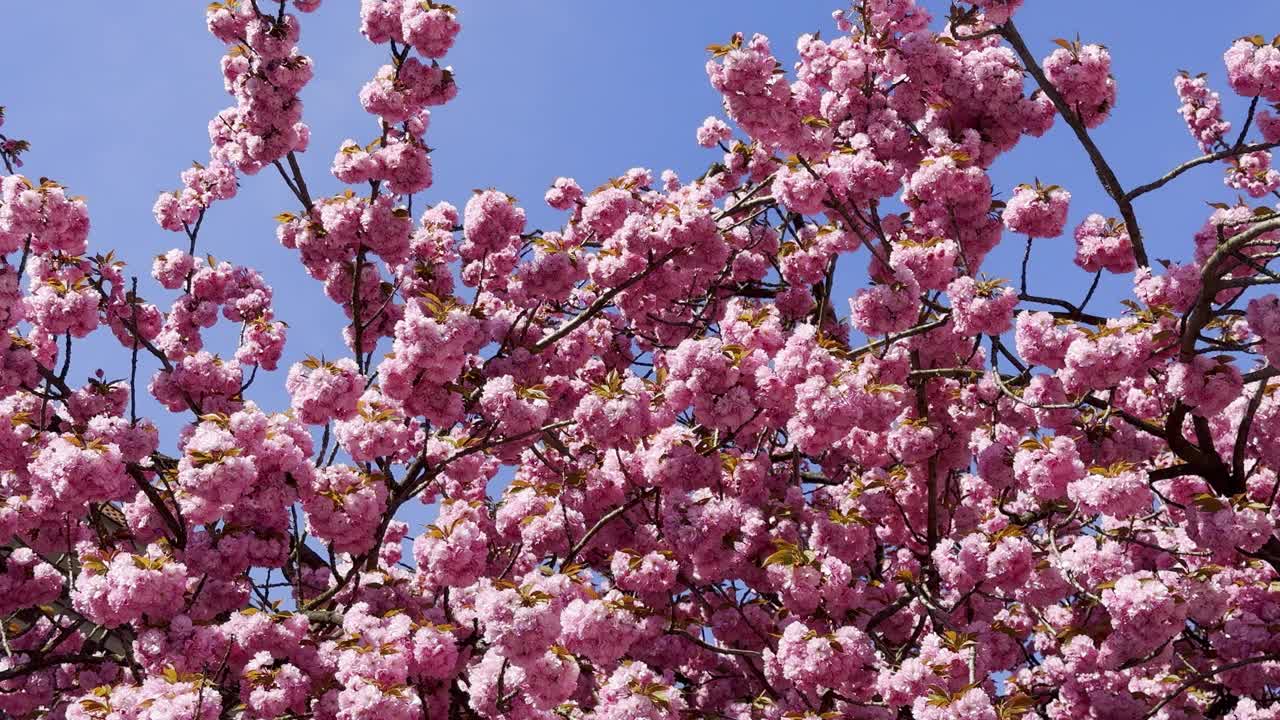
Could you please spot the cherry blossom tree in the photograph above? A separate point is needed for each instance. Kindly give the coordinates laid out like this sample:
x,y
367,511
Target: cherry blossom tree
x,y
672,476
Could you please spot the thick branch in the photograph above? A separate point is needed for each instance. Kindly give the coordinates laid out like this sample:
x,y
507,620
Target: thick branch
x,y
1106,175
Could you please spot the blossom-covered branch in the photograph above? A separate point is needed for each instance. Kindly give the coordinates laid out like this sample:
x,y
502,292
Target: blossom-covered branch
x,y
673,472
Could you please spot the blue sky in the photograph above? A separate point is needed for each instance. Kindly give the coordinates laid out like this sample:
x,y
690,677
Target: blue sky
x,y
115,98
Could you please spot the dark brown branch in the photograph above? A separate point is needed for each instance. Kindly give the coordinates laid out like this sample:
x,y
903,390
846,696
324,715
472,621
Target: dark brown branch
x,y
1191,164
600,304
1106,175
1204,676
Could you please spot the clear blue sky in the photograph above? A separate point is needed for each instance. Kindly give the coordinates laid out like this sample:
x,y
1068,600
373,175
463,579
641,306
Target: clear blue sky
x,y
115,98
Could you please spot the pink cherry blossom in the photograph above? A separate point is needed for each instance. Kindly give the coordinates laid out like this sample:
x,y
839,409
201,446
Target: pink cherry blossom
x,y
1037,211
761,439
